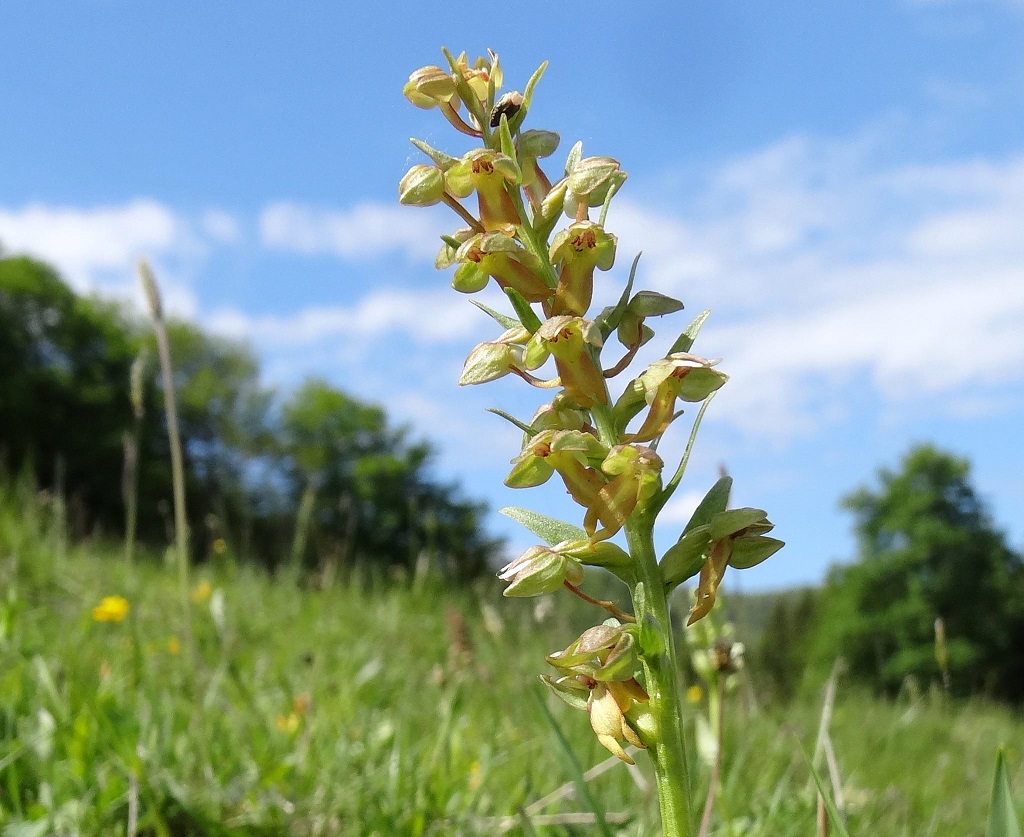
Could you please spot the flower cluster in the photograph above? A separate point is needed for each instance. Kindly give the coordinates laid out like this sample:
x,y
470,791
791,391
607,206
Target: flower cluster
x,y
603,449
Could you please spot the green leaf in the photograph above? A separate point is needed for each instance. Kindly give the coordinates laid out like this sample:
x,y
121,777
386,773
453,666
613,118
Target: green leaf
x,y
834,819
583,791
527,316
508,148
513,420
1002,818
26,828
685,340
714,503
503,320
443,161
684,559
653,304
609,323
546,528
652,637
575,154
729,522
520,115
749,552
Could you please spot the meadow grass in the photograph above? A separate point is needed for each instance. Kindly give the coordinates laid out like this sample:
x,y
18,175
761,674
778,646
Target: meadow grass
x,y
383,706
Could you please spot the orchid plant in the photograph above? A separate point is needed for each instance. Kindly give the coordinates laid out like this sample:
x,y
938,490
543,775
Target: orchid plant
x,y
624,671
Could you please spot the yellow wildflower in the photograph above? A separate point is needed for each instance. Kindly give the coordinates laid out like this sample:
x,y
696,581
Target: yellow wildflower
x,y
110,609
173,646
201,592
288,723
694,694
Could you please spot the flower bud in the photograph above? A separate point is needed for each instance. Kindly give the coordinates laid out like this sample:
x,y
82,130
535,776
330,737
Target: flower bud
x,y
429,87
540,570
492,360
422,185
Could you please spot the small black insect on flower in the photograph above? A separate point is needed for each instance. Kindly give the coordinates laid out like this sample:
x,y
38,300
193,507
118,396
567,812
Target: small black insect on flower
x,y
508,105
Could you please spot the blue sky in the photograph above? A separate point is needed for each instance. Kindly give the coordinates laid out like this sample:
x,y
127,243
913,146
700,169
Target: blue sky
x,y
841,183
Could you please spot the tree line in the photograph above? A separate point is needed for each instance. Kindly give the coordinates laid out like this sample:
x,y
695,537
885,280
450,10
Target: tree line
x,y
316,477
934,598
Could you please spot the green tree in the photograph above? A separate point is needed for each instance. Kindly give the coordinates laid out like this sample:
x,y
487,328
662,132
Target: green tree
x,y
227,433
784,646
367,488
928,549
64,403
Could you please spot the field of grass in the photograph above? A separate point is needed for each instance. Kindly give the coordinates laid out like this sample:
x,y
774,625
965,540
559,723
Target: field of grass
x,y
387,708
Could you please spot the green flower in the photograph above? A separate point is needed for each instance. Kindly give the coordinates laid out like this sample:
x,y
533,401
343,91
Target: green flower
x,y
577,250
540,570
530,147
568,340
498,256
588,184
495,359
679,376
603,661
431,87
487,172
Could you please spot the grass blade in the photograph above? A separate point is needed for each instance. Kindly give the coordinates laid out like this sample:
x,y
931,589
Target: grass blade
x,y
573,765
1002,819
834,820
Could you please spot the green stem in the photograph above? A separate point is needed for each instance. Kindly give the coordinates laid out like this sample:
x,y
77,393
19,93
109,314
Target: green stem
x,y
177,480
668,751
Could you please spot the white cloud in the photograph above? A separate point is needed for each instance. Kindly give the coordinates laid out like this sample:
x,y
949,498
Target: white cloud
x,y
425,316
680,508
957,95
97,248
364,231
830,271
221,226
83,242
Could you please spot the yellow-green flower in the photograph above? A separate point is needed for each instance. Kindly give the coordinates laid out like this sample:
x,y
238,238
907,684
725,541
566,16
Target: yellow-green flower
x,y
608,704
569,341
578,250
111,609
497,255
486,172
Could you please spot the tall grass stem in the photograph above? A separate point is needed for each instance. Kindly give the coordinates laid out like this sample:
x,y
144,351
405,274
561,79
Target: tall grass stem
x,y
152,292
